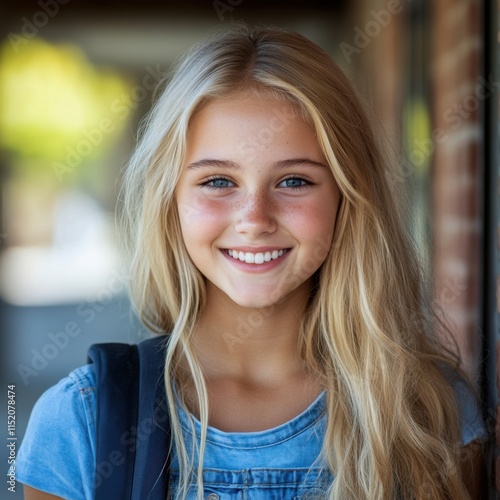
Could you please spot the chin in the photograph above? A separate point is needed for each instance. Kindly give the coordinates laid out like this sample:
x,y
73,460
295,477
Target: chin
x,y
252,303
253,297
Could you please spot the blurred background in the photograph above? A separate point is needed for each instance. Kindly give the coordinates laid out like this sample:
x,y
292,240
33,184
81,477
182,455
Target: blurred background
x,y
76,77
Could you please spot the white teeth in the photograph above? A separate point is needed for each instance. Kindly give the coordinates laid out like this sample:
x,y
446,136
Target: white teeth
x,y
256,258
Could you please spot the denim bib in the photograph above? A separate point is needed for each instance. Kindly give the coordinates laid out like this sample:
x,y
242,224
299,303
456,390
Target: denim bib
x,y
280,463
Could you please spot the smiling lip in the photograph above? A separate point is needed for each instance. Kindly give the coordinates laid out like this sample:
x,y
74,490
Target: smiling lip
x,y
257,258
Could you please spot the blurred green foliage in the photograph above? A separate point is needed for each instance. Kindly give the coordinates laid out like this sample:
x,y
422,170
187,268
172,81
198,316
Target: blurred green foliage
x,y
419,147
53,104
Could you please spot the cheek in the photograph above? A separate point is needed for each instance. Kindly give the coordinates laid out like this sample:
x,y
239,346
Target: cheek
x,y
314,224
311,220
201,216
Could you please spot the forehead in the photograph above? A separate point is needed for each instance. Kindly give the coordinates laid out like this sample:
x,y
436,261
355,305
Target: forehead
x,y
258,95
249,123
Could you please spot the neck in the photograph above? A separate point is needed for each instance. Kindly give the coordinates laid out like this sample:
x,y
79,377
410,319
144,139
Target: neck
x,y
249,343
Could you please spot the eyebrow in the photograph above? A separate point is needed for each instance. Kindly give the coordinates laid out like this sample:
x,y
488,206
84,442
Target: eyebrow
x,y
292,162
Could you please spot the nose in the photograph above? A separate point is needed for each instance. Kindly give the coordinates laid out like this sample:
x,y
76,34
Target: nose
x,y
256,214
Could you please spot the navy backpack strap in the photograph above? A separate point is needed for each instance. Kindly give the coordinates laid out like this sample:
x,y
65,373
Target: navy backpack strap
x,y
117,382
133,425
152,458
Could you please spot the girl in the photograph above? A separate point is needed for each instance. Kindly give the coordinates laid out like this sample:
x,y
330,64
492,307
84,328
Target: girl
x,y
303,358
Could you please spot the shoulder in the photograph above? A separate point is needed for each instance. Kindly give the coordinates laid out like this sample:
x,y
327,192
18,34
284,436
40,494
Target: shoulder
x,y
73,396
57,454
472,426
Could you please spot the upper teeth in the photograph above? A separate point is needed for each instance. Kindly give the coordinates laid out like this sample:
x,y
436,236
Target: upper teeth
x,y
256,258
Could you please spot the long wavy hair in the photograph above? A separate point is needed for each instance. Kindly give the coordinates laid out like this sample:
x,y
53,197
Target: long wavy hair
x,y
369,332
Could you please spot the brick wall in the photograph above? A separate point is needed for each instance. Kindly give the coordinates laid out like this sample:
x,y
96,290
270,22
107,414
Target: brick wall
x,y
460,92
453,143
456,169
457,91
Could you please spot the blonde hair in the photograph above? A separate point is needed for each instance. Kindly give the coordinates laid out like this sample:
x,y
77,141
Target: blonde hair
x,y
392,421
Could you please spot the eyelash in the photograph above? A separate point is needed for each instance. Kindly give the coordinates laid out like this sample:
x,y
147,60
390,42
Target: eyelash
x,y
307,182
206,182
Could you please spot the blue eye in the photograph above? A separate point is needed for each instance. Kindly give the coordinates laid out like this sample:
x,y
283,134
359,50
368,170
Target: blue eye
x,y
218,183
294,183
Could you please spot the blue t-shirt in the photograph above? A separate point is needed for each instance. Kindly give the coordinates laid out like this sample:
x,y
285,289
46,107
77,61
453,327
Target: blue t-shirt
x,y
57,454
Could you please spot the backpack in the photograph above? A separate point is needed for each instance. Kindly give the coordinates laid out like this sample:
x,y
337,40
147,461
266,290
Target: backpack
x,y
132,421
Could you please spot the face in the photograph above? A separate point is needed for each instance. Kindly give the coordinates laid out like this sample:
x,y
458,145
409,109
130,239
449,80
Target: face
x,y
257,202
